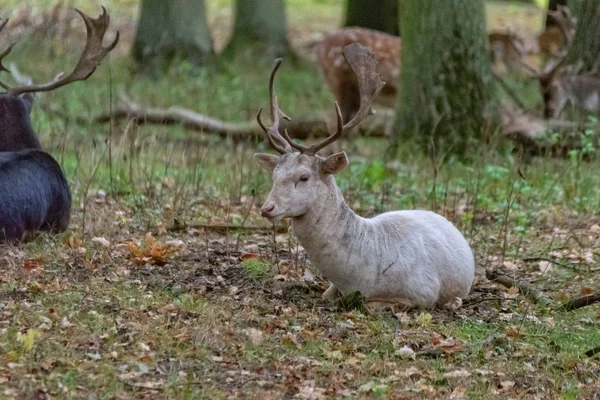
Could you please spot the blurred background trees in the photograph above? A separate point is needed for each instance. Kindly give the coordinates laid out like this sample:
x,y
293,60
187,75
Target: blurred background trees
x,y
585,53
445,95
381,15
172,29
260,30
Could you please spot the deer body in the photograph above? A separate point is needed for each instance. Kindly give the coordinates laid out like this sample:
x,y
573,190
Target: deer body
x,y
579,91
417,258
34,194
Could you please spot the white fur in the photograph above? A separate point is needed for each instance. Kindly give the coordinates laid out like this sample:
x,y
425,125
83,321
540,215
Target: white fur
x,y
412,257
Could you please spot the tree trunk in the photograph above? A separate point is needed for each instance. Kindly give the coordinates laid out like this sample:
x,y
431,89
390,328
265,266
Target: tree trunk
x,y
553,6
445,79
172,29
586,46
381,15
260,30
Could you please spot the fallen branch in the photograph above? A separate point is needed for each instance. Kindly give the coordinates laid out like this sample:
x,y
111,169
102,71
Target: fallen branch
x,y
535,295
379,125
224,228
525,287
580,302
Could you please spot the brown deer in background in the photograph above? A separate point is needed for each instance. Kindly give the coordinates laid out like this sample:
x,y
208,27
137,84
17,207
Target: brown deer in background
x,y
561,85
505,47
34,194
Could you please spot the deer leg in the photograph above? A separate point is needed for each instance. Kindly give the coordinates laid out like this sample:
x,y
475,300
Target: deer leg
x,y
331,293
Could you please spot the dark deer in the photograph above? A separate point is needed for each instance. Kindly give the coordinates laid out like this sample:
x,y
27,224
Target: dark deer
x,y
34,194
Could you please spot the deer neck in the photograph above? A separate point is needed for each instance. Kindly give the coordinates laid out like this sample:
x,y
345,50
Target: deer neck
x,y
329,224
16,132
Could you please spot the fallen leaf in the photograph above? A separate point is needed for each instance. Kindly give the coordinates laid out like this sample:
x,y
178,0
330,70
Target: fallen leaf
x,y
586,291
512,293
506,385
246,256
28,340
510,265
405,352
101,241
545,266
254,334
459,373
512,331
458,393
424,319
371,387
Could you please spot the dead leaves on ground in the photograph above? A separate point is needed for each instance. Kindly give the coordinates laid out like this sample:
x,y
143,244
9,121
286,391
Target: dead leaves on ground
x,y
153,251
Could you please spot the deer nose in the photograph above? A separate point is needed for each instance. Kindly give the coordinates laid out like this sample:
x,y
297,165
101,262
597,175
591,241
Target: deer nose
x,y
266,210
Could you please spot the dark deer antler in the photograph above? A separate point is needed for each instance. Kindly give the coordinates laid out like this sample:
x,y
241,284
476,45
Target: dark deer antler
x,y
363,64
90,58
4,54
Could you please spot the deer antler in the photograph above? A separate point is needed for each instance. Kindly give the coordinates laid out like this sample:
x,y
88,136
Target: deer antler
x,y
566,23
4,54
363,64
90,58
273,135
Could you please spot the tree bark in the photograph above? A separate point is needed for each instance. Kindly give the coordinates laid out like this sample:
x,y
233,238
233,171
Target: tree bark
x,y
381,15
586,46
445,96
172,29
553,6
260,30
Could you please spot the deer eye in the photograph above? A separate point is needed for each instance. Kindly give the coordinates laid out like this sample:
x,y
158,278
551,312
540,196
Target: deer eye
x,y
304,178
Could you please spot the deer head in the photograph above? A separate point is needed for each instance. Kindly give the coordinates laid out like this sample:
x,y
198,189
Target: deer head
x,y
300,175
551,78
16,132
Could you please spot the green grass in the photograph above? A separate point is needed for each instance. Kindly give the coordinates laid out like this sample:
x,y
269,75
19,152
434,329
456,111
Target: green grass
x,y
206,324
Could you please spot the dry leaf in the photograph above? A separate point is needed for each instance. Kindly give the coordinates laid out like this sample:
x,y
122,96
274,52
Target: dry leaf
x,y
459,373
255,335
152,252
405,352
101,241
512,331
545,266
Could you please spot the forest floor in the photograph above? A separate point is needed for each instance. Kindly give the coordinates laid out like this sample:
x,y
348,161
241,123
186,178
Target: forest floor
x,y
153,293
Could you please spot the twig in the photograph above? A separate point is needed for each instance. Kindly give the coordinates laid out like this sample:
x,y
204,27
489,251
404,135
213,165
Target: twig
x,y
530,292
472,303
580,302
550,260
525,287
224,228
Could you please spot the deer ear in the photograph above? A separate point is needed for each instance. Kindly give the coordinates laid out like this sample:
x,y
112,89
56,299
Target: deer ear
x,y
334,163
267,161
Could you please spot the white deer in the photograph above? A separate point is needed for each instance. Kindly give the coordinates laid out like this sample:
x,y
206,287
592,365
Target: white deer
x,y
415,258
